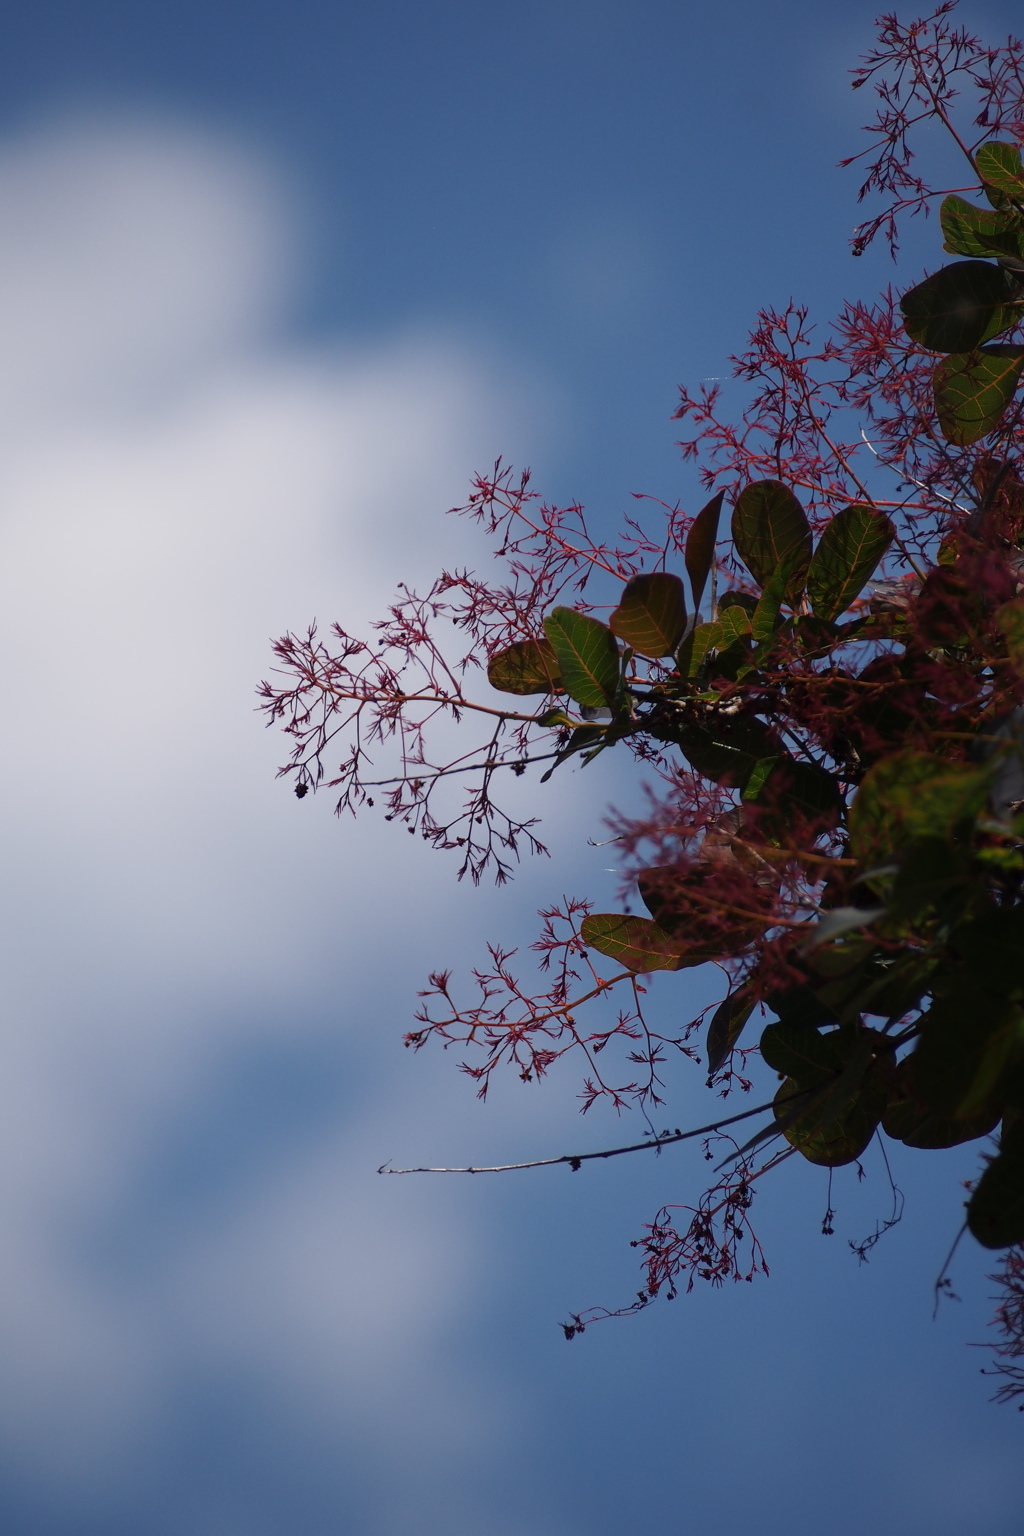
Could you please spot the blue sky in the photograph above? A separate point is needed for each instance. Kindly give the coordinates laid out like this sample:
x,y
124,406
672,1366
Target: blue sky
x,y
274,280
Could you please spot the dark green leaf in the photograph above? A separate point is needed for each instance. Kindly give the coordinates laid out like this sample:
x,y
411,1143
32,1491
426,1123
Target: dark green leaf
x,y
973,391
966,1039
727,748
995,1214
584,737
819,637
588,657
529,666
999,166
847,556
688,904
745,600
932,872
770,530
700,546
800,1005
635,942
959,307
843,1115
992,947
726,1027
800,1053
651,616
908,1118
973,231
796,791
843,1138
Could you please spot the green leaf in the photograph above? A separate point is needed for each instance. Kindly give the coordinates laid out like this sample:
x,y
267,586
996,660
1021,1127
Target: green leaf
x,y
528,666
995,1214
847,556
695,649
727,748
999,166
734,624
793,793
826,1139
1010,621
908,1118
770,530
974,389
973,231
800,1053
635,942
745,600
933,871
588,657
651,615
700,546
759,777
688,904
959,307
727,1026
911,795
966,1039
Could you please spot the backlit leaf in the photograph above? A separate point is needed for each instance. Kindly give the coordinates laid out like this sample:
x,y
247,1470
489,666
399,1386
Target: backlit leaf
x,y
974,389
999,166
528,666
959,307
588,657
697,646
651,615
635,942
770,530
973,231
700,546
843,1139
847,556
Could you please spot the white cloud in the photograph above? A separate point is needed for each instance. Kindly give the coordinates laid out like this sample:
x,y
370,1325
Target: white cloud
x,y
176,487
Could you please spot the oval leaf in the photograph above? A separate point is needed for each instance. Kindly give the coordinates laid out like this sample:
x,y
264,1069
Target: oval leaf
x,y
588,657
728,747
959,307
726,1027
841,1141
847,556
700,546
999,166
973,231
973,391
652,614
995,1214
528,666
909,1119
634,942
770,531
